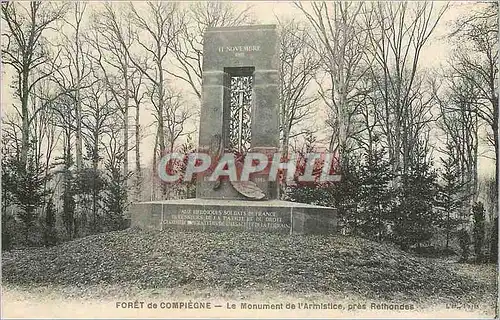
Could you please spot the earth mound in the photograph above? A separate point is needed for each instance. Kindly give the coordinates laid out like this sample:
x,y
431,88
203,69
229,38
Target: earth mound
x,y
167,259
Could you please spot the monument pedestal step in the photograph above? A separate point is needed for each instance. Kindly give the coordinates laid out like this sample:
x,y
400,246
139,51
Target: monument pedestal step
x,y
220,214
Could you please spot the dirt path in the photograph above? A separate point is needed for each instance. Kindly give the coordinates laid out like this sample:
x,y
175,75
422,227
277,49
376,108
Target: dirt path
x,y
127,302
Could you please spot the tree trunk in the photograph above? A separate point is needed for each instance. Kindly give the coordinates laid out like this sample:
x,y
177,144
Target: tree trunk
x,y
138,173
79,147
161,130
155,169
447,230
25,118
125,123
495,137
95,163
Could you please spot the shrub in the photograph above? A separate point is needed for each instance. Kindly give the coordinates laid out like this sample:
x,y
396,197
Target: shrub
x,y
464,241
478,232
494,241
50,232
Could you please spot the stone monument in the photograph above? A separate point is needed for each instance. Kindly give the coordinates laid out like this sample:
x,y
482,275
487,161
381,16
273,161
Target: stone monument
x,y
239,113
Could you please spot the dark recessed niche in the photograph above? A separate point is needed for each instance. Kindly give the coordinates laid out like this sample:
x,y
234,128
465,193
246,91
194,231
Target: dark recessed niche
x,y
239,71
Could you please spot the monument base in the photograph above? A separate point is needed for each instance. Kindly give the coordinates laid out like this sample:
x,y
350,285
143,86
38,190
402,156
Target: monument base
x,y
218,215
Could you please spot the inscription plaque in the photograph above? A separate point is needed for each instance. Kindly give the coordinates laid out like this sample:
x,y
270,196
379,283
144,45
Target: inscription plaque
x,y
237,215
248,220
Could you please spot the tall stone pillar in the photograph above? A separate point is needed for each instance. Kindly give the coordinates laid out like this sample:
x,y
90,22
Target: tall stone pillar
x,y
235,51
240,86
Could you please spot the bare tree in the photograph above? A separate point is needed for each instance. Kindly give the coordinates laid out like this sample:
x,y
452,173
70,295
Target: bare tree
x,y
25,50
476,62
458,100
77,69
137,92
298,65
11,134
112,40
188,46
44,133
97,121
177,113
64,118
397,33
112,143
368,136
157,30
96,118
340,43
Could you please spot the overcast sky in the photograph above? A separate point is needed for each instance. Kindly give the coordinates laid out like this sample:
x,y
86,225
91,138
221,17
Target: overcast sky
x,y
434,54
